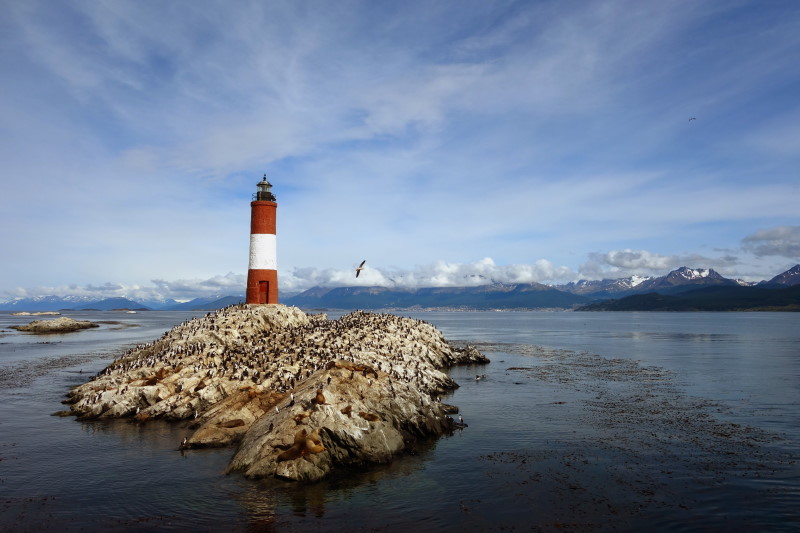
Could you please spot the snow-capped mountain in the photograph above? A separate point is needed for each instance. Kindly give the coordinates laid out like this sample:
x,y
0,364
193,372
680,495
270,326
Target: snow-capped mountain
x,y
679,280
45,303
57,303
787,279
686,278
605,286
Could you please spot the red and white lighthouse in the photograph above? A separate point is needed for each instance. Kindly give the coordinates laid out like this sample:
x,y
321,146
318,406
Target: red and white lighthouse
x,y
262,274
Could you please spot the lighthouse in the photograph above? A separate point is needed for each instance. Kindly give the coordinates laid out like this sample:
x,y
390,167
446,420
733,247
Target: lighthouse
x,y
262,274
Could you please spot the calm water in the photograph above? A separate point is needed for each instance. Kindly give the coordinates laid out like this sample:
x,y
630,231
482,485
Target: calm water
x,y
586,421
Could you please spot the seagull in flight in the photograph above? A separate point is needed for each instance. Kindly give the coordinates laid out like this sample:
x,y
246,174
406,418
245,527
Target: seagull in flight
x,y
360,267
693,118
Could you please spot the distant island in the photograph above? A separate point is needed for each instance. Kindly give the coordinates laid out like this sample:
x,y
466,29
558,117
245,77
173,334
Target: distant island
x,y
57,325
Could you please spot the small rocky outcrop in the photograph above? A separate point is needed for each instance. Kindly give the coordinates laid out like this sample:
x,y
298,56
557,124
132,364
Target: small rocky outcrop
x,y
301,394
57,325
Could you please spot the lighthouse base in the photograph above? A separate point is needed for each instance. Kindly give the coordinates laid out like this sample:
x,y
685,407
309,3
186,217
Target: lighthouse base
x,y
262,287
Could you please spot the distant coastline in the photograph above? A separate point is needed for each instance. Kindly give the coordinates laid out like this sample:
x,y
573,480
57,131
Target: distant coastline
x,y
683,289
717,299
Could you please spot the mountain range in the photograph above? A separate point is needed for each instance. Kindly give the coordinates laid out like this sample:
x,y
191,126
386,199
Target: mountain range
x,y
493,296
696,282
705,290
709,298
527,295
85,303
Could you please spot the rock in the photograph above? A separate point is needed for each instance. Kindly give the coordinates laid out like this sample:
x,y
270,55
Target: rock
x,y
58,325
301,394
228,421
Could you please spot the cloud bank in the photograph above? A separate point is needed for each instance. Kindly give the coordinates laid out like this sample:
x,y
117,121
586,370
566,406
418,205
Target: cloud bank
x,y
782,242
437,274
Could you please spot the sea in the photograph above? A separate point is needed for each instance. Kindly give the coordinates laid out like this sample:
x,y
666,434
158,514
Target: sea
x,y
581,422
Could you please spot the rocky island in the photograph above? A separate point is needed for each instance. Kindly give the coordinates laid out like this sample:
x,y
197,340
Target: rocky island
x,y
300,394
57,325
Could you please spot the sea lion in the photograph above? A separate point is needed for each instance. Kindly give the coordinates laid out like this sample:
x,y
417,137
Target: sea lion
x,y
299,417
235,423
313,443
319,399
293,452
304,444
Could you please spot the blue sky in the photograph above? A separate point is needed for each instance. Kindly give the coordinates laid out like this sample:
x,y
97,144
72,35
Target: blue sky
x,y
445,142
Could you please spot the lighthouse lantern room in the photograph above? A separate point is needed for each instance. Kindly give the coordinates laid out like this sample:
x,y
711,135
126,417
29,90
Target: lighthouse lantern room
x,y
264,191
262,274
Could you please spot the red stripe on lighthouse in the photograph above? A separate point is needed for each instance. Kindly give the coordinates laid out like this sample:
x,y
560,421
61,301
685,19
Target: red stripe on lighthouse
x,y
262,273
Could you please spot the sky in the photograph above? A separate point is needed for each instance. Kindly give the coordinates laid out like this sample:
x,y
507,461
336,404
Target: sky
x,y
447,143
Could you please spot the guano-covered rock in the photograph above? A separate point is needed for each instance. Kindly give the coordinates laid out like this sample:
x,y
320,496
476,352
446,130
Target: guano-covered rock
x,y
301,394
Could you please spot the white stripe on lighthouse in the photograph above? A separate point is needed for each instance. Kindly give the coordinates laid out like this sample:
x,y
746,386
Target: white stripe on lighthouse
x,y
263,252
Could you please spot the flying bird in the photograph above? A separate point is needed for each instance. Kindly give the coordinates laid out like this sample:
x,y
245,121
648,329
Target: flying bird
x,y
360,267
693,118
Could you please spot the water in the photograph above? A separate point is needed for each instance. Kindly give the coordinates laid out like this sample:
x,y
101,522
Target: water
x,y
586,421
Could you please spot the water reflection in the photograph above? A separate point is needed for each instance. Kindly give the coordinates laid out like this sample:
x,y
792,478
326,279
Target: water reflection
x,y
263,499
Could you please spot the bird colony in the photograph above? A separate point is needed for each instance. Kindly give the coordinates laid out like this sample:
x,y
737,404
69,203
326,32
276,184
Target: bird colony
x,y
300,394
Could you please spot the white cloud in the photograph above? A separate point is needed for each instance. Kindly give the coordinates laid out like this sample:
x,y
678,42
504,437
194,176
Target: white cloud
x,y
635,260
181,289
625,263
782,241
436,274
